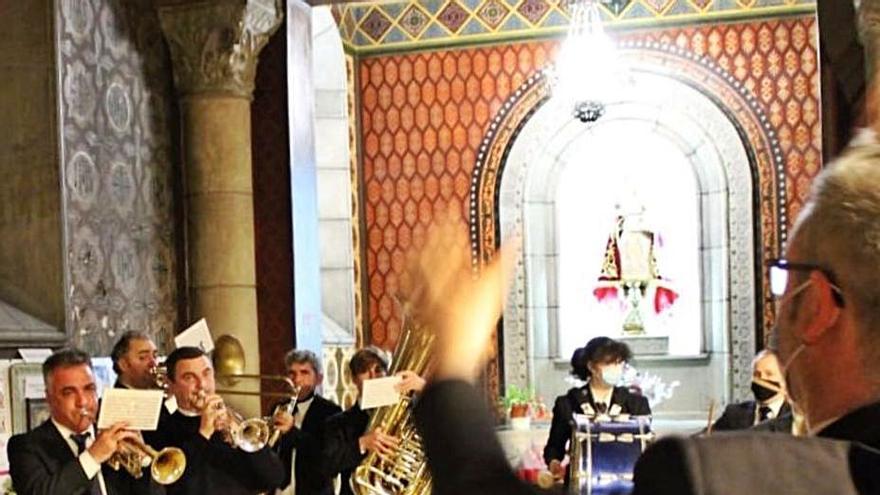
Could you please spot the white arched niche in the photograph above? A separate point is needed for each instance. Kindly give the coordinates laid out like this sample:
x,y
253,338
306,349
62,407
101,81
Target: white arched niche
x,y
662,112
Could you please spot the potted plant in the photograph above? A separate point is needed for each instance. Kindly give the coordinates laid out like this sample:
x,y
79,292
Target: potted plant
x,y
517,404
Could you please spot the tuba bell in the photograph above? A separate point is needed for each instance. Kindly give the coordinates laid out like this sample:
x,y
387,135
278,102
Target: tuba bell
x,y
406,471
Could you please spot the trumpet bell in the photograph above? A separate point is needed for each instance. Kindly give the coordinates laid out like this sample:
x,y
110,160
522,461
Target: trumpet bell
x,y
252,434
168,466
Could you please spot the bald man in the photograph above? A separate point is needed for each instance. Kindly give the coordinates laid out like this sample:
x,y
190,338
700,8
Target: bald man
x,y
767,404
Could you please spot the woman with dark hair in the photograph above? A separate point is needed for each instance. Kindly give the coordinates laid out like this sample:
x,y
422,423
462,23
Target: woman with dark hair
x,y
600,364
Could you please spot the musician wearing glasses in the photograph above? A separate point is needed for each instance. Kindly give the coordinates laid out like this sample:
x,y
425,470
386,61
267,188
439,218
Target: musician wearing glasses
x,y
599,363
346,441
301,440
65,455
197,427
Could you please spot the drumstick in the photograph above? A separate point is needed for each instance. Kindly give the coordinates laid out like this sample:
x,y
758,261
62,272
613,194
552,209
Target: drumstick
x,y
711,415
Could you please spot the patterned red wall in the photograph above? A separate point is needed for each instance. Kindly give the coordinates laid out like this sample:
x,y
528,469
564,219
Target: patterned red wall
x,y
423,116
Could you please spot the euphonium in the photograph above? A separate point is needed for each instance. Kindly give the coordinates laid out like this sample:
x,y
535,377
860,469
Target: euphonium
x,y
166,465
406,471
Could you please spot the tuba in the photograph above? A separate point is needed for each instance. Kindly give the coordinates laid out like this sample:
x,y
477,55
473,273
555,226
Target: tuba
x,y
406,471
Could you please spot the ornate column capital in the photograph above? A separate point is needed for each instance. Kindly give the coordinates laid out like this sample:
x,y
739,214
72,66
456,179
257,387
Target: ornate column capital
x,y
215,44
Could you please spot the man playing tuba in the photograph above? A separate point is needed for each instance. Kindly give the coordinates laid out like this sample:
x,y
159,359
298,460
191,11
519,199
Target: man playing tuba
x,y
346,440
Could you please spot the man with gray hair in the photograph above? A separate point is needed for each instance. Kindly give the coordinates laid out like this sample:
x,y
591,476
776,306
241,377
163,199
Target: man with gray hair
x,y
828,323
302,436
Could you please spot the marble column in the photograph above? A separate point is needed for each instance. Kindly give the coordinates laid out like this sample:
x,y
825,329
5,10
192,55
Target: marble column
x,y
214,48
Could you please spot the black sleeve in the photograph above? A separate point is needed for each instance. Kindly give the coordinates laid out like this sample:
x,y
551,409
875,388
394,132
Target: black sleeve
x,y
30,475
340,451
639,405
726,421
662,470
464,454
560,431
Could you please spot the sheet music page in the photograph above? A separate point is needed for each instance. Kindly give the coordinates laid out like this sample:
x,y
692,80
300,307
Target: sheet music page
x,y
197,335
139,408
380,392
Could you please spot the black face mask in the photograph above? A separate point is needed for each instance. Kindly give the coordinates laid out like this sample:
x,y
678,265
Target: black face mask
x,y
762,393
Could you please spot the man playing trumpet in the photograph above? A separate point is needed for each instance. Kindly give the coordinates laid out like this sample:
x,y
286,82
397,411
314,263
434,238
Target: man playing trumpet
x,y
198,426
65,455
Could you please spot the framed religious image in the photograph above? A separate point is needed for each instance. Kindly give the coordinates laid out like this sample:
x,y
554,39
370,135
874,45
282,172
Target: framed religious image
x,y
25,382
37,412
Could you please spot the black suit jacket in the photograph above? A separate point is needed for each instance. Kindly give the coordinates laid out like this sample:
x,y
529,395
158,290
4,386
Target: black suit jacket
x,y
571,402
741,416
311,477
213,466
341,454
41,462
746,462
861,425
464,454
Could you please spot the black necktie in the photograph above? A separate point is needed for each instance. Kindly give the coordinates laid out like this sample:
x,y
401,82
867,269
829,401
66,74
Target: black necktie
x,y
80,440
601,407
763,413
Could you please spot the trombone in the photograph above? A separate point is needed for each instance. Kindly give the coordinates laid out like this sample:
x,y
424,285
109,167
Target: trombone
x,y
229,367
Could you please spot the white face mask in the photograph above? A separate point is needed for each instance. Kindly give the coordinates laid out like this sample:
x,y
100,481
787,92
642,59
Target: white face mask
x,y
612,375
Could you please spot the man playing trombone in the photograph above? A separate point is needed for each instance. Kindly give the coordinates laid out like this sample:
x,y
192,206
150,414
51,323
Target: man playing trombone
x,y
65,455
302,431
198,426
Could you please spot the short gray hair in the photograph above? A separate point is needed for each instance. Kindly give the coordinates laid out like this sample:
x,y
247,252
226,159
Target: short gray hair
x,y
839,228
301,356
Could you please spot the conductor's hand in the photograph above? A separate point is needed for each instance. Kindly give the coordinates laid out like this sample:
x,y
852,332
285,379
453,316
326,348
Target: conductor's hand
x,y
378,441
283,421
461,308
107,441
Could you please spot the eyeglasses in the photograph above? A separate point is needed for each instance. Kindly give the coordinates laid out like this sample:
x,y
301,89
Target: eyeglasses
x,y
779,269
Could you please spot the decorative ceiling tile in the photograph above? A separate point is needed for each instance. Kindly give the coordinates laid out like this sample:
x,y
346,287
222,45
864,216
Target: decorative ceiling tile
x,y
492,13
616,7
453,16
375,24
701,4
658,6
533,10
413,21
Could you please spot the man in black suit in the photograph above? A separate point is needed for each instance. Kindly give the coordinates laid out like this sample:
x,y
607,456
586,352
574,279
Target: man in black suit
x,y
769,402
63,455
212,465
301,442
134,357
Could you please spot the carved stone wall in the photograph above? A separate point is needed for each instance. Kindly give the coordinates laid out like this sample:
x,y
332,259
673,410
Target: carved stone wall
x,y
117,166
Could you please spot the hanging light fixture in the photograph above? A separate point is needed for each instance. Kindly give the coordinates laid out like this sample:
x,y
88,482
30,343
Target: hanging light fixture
x,y
586,69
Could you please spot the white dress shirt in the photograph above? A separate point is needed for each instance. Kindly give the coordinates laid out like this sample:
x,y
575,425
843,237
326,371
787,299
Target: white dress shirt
x,y
301,409
775,405
89,465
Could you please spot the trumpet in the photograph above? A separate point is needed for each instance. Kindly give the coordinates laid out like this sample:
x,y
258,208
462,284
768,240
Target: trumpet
x,y
249,435
160,377
166,465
